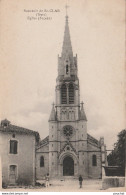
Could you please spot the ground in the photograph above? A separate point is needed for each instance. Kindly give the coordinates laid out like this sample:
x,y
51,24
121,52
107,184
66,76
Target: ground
x,y
68,186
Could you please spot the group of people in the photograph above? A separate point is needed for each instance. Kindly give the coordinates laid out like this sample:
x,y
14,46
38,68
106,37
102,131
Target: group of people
x,y
47,180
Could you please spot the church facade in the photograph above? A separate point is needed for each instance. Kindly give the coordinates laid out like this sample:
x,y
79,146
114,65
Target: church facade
x,y
69,150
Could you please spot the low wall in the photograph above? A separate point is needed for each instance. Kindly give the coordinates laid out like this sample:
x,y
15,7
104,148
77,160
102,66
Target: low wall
x,y
112,182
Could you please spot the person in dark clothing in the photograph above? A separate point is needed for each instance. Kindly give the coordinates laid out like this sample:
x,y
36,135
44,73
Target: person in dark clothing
x,y
80,181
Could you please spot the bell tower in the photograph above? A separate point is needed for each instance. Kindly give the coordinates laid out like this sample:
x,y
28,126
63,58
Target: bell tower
x,y
67,83
67,123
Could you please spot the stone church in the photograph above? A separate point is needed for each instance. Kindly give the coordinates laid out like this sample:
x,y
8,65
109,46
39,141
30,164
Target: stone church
x,y
69,150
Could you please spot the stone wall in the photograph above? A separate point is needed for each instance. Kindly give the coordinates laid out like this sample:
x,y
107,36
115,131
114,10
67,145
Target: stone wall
x,y
94,171
24,159
42,171
112,182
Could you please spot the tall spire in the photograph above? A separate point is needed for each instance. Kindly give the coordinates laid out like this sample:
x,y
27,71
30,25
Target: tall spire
x,y
67,47
67,63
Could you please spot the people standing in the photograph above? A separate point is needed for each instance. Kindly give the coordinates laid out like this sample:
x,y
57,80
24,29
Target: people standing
x,y
47,180
80,181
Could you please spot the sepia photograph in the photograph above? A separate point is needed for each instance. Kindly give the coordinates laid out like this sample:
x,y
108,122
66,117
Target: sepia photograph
x,y
63,98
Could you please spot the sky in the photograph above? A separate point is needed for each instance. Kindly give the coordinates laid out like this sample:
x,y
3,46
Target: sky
x,y
29,62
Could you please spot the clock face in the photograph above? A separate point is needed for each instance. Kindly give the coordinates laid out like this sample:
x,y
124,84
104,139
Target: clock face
x,y
68,131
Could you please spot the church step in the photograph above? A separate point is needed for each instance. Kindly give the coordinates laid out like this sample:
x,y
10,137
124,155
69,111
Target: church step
x,y
68,177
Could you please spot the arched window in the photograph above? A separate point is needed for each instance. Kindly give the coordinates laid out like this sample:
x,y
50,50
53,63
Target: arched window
x,y
67,69
63,94
94,160
41,161
71,94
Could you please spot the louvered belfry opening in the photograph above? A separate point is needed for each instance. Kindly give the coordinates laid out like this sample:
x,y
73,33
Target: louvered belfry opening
x,y
63,94
71,94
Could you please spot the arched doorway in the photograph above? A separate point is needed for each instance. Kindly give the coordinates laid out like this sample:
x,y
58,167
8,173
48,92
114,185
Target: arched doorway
x,y
68,166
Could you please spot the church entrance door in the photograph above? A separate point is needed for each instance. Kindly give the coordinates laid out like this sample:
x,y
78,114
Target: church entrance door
x,y
68,166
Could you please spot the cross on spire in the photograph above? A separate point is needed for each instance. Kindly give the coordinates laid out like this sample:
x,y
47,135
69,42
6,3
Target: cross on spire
x,y
66,8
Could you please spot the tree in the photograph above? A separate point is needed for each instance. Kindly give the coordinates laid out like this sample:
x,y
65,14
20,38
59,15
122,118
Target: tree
x,y
117,156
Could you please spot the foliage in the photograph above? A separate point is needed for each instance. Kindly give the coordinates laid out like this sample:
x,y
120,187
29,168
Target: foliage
x,y
117,156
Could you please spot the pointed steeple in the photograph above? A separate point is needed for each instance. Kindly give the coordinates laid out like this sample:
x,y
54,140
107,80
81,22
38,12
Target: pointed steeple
x,y
53,114
82,113
67,63
67,47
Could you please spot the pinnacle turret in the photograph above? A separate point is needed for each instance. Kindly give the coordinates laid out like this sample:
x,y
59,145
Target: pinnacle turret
x,y
53,114
82,113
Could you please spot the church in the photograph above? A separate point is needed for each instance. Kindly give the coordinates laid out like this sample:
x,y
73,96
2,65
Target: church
x,y
69,150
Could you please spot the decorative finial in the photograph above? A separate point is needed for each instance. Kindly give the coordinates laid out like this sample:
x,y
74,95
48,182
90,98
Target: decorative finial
x,y
82,103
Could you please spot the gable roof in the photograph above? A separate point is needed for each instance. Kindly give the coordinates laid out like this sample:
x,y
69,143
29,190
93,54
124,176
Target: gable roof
x,y
68,144
92,140
43,142
16,129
